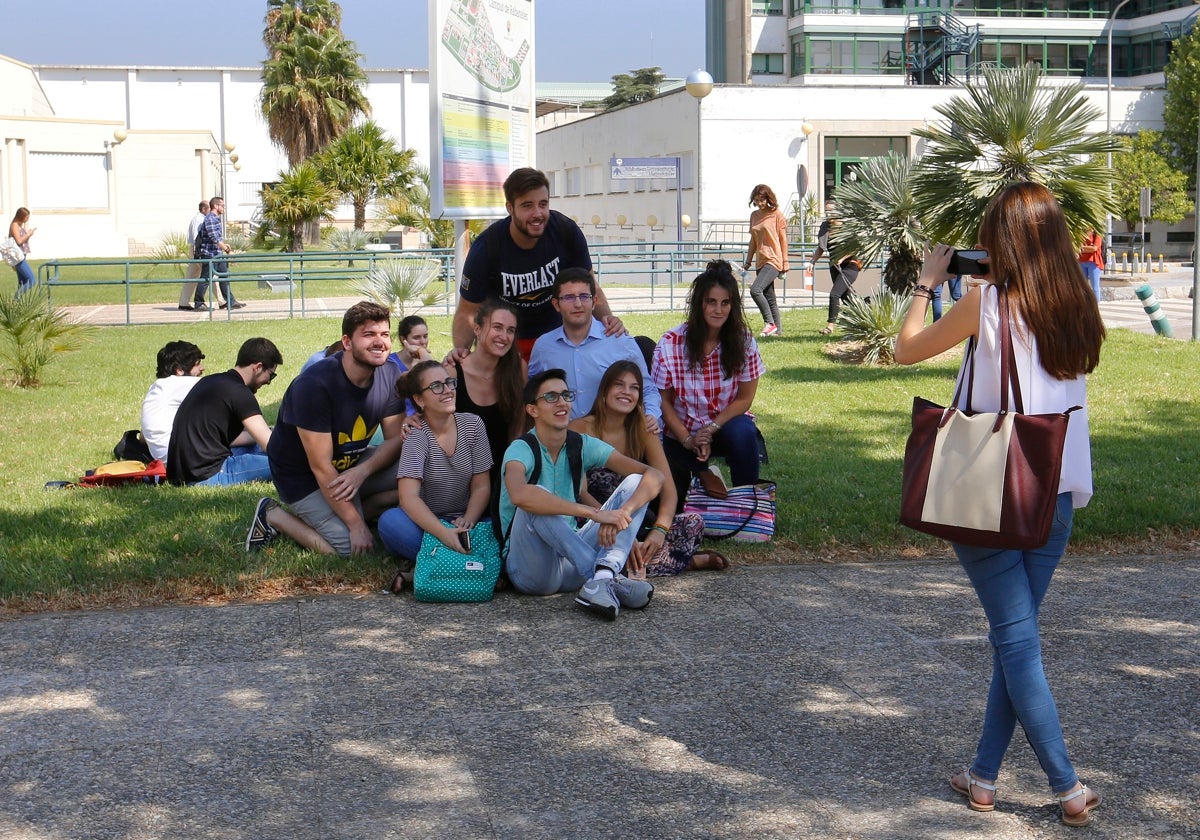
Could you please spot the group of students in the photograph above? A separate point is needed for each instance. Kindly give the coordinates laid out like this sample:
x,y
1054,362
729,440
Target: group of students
x,y
593,452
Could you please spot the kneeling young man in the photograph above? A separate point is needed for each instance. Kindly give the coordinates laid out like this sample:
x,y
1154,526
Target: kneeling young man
x,y
540,498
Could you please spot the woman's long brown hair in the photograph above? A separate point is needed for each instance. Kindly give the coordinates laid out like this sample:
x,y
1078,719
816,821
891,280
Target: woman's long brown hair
x,y
1033,256
635,421
732,336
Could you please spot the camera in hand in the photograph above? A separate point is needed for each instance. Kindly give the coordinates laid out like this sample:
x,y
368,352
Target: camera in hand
x,y
967,262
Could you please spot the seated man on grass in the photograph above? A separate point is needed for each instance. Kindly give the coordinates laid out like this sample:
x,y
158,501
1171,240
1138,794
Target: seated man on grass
x,y
219,433
540,498
322,462
180,366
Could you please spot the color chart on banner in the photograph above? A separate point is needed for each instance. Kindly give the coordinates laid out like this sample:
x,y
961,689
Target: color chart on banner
x,y
477,150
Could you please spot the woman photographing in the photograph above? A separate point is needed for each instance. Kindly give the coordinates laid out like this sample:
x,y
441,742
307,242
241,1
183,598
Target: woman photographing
x,y
1056,335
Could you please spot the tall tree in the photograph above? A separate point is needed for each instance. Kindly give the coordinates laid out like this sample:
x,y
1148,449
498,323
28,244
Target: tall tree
x,y
284,17
298,198
876,212
1007,129
313,86
365,163
636,86
1180,108
1140,163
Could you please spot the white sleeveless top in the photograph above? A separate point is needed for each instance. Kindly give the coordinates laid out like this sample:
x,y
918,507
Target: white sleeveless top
x,y
1040,392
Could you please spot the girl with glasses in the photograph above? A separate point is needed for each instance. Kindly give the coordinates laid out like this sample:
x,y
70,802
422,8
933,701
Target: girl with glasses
x,y
443,473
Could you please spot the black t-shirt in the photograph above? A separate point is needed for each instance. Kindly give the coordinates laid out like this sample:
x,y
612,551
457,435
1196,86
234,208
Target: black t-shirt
x,y
323,399
208,420
497,267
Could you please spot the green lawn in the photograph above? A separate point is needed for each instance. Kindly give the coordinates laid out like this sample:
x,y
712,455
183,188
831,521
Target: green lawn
x,y
835,432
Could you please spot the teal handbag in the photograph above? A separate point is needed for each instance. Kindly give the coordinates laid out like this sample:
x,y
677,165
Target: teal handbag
x,y
447,576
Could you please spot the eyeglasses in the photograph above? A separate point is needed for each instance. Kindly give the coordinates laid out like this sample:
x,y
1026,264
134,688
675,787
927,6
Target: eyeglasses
x,y
441,385
553,396
581,298
272,373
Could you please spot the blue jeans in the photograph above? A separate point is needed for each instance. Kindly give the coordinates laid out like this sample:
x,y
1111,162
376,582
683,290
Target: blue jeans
x,y
1010,585
400,535
547,555
1092,272
736,442
955,287
247,463
207,270
25,278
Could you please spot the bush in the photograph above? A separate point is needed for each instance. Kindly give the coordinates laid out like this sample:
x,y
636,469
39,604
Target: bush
x,y
32,335
399,283
875,323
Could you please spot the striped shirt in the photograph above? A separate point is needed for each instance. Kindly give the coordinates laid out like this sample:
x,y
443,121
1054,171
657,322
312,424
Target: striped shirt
x,y
446,480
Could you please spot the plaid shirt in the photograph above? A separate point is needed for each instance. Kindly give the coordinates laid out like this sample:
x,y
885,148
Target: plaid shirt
x,y
700,393
209,237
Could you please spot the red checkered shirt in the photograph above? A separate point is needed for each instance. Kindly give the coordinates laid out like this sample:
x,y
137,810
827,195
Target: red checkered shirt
x,y
703,392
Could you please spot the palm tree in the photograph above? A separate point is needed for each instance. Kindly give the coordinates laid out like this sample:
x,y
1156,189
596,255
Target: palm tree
x,y
33,334
877,211
299,197
410,208
365,163
284,17
398,284
313,90
1004,130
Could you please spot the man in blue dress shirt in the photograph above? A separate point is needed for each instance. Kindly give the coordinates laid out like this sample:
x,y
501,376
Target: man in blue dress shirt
x,y
581,348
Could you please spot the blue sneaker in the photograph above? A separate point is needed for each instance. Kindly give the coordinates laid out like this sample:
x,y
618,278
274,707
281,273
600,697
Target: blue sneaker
x,y
597,596
632,594
261,533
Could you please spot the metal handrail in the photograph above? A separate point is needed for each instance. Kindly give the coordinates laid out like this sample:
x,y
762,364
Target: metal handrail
x,y
666,268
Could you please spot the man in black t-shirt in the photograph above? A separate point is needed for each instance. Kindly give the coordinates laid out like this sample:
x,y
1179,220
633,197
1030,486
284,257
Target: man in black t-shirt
x,y
516,260
219,434
320,455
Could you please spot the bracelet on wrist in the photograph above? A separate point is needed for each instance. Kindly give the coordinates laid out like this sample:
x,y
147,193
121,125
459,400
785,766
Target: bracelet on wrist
x,y
662,530
714,424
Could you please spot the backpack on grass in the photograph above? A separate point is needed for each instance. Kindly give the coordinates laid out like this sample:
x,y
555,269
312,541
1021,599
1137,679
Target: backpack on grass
x,y
117,473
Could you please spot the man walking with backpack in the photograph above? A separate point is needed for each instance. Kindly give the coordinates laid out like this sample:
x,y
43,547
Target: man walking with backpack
x,y
541,496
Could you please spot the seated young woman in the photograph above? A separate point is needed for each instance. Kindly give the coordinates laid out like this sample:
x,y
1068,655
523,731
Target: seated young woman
x,y
618,417
707,370
443,471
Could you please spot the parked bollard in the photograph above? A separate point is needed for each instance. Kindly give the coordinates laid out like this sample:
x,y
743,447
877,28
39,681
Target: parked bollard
x,y
1158,318
1124,261
1137,266
1162,266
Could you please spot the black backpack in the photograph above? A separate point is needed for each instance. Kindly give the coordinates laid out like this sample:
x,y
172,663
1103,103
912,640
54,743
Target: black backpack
x,y
574,459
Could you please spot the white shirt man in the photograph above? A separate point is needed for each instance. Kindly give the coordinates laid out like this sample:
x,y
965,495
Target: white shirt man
x,y
180,366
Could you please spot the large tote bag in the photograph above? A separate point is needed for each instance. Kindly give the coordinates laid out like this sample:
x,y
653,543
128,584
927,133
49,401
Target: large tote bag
x,y
746,514
984,478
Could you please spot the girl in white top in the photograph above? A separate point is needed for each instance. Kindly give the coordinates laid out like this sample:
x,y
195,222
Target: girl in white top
x,y
1057,333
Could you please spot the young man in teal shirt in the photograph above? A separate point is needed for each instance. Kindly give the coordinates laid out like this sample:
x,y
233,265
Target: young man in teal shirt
x,y
546,553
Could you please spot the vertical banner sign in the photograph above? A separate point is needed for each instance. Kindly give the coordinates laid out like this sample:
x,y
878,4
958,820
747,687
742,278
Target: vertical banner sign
x,y
481,103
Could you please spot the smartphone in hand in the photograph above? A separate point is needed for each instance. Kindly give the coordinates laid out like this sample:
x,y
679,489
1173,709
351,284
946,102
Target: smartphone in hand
x,y
464,539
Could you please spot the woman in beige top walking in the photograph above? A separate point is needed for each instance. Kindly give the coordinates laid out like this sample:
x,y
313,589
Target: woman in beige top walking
x,y
768,243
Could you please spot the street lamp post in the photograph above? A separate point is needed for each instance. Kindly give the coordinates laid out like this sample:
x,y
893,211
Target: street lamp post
x,y
1112,20
700,84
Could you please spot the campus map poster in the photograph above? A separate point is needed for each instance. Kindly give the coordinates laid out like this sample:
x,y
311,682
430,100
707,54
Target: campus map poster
x,y
481,102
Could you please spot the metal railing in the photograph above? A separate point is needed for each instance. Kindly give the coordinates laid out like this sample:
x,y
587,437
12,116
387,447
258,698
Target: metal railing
x,y
654,275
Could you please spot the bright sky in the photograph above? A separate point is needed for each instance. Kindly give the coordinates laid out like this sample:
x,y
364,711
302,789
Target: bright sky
x,y
577,40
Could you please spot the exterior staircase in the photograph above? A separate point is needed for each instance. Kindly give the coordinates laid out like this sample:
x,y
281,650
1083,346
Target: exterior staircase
x,y
931,41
